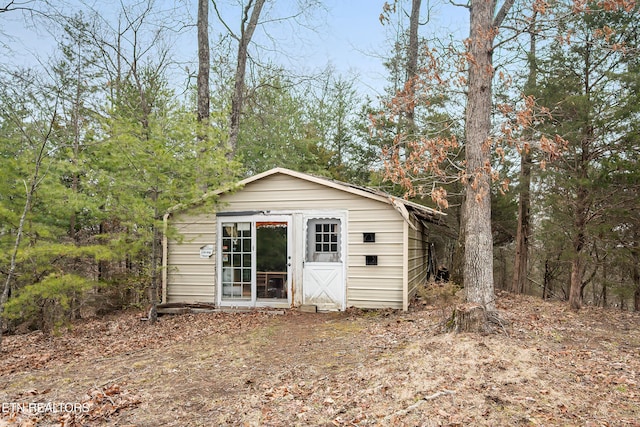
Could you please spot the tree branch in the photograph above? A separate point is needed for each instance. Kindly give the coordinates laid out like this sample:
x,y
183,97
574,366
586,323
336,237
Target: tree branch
x,y
502,13
466,6
229,30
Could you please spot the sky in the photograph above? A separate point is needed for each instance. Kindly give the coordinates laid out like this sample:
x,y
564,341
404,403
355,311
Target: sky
x,y
347,35
350,37
358,41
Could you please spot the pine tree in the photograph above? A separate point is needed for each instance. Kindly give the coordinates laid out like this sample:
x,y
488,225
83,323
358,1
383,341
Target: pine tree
x,y
584,81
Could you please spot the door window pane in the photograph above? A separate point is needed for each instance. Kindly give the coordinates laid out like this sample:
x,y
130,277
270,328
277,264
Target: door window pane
x,y
323,240
236,260
271,260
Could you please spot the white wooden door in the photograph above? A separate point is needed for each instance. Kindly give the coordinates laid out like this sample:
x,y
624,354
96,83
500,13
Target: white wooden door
x,y
323,280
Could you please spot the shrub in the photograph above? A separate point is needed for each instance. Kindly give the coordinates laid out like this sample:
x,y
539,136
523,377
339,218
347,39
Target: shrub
x,y
49,303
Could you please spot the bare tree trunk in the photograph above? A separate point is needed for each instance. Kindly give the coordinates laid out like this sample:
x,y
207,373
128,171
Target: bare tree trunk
x,y
75,180
203,61
478,263
247,29
546,280
457,263
577,267
523,232
519,284
579,222
412,63
203,99
478,255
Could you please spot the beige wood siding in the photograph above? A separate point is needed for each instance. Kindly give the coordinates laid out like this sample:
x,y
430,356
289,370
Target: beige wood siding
x,y
367,286
189,277
375,286
193,279
418,256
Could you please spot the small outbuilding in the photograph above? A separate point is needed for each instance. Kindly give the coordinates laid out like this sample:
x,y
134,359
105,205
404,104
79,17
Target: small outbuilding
x,y
283,239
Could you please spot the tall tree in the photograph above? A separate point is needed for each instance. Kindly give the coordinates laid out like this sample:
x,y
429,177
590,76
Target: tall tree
x,y
331,112
249,22
148,162
408,53
139,139
255,14
204,62
203,90
595,110
412,57
437,153
76,76
478,266
39,156
276,129
523,230
120,151
41,265
419,126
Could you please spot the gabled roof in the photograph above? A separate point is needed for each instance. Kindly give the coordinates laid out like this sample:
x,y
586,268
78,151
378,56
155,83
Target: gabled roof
x,y
401,205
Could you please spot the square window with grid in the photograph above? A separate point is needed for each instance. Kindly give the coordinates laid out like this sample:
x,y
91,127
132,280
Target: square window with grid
x,y
326,238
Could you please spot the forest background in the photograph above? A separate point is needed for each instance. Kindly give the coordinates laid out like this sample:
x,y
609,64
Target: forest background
x,y
101,136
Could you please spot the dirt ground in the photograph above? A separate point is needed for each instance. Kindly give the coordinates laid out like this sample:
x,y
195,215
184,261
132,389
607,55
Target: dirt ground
x,y
548,366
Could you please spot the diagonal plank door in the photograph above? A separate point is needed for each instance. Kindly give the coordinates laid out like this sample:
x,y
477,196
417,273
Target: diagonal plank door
x,y
323,273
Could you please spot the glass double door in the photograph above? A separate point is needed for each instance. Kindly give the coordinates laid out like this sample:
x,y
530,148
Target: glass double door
x,y
255,260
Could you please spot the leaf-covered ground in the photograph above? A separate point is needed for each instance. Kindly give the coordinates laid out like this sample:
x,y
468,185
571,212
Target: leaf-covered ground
x,y
548,367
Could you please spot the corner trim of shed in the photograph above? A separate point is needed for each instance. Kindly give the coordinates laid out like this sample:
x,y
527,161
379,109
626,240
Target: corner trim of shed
x,y
165,253
405,265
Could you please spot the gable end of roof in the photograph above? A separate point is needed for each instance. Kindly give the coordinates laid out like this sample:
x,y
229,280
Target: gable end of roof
x,y
401,205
